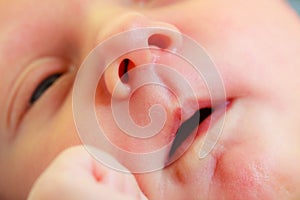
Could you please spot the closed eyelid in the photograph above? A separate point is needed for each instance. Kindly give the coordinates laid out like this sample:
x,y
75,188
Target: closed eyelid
x,y
38,68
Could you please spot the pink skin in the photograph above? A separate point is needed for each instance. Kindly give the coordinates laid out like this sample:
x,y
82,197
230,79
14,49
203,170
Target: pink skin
x,y
255,45
99,181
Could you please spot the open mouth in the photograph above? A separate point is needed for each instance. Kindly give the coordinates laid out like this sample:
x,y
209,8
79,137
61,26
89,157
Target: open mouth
x,y
189,128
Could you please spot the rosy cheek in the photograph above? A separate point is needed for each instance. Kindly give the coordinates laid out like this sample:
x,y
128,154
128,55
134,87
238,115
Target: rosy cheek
x,y
247,171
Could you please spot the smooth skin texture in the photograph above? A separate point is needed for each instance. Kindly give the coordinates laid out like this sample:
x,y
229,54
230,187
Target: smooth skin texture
x,y
255,45
74,174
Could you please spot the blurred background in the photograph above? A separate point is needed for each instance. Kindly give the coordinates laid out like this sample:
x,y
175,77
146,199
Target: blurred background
x,y
296,5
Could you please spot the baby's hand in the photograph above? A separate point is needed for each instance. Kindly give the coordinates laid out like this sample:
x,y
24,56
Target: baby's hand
x,y
74,174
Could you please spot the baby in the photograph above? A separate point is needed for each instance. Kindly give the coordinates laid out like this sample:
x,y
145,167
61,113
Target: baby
x,y
255,46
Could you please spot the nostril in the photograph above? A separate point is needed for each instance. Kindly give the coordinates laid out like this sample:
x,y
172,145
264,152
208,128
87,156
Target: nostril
x,y
125,66
159,40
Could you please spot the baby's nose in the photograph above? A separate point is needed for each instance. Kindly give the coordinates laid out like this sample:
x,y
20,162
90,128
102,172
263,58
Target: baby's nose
x,y
148,35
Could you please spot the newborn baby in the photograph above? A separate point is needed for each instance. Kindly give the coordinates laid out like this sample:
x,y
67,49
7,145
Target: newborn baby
x,y
255,46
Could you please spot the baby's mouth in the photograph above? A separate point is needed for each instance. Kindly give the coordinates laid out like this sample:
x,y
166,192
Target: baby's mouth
x,y
187,129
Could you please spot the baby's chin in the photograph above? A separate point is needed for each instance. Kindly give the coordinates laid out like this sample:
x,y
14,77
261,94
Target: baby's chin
x,y
239,167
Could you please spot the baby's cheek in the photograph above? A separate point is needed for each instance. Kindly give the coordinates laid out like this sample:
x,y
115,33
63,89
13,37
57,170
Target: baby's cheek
x,y
252,171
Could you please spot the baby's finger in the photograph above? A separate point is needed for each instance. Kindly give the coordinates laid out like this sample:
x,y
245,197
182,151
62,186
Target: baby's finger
x,y
76,175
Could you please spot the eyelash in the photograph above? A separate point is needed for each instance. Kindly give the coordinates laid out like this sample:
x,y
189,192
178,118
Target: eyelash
x,y
43,87
36,86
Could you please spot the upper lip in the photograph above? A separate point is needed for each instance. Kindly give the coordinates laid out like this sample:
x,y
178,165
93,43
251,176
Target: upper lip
x,y
192,115
190,118
190,107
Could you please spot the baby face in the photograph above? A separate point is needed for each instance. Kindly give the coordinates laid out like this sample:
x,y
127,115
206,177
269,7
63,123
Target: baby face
x,y
254,45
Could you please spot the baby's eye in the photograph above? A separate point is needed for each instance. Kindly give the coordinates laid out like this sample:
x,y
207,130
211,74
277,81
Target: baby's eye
x,y
42,87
